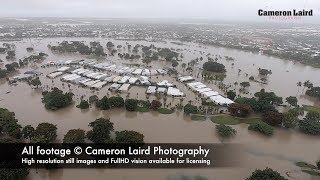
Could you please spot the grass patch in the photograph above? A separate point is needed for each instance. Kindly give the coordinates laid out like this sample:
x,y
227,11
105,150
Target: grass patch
x,y
195,117
165,111
311,172
311,108
305,165
142,109
224,119
231,120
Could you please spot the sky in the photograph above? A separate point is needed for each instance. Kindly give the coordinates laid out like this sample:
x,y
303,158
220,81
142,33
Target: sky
x,y
179,9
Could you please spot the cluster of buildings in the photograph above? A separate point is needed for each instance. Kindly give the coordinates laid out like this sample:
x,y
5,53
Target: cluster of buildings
x,y
205,91
165,87
91,64
97,80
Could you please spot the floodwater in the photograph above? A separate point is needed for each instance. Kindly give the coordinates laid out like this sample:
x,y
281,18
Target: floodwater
x,y
278,152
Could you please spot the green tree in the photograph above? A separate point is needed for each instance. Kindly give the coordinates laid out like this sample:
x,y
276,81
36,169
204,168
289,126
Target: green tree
x,y
46,131
245,84
36,82
129,137
10,173
212,66
56,99
266,174
318,164
174,63
74,136
28,132
3,73
261,127
310,124
116,101
290,120
293,101
83,104
272,118
103,103
231,95
131,104
155,105
9,124
190,109
225,131
240,110
100,132
314,92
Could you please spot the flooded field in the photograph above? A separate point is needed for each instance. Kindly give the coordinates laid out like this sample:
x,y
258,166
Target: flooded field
x,y
279,151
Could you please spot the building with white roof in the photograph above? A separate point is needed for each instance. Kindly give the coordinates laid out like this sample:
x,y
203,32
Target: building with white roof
x,y
124,79
220,100
54,75
114,87
165,83
117,78
209,94
133,80
151,90
63,69
137,72
175,92
185,78
99,85
124,88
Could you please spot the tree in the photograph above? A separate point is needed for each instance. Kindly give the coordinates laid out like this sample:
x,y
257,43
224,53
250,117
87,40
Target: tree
x,y
212,66
290,120
174,63
12,173
261,127
240,110
56,99
310,124
116,101
318,164
47,131
231,95
93,99
83,104
100,132
293,101
129,137
273,118
28,132
266,174
9,124
225,131
314,92
190,109
146,60
264,72
103,103
3,73
245,84
36,82
110,45
131,104
74,136
155,105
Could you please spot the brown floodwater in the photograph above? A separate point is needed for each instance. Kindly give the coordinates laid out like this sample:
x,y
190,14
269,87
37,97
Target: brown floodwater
x,y
278,152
